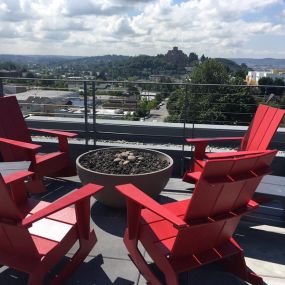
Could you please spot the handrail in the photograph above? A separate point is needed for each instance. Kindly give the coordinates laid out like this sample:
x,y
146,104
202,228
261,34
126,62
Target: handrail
x,y
91,129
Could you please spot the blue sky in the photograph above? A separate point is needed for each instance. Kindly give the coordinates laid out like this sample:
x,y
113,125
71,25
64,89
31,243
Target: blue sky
x,y
243,28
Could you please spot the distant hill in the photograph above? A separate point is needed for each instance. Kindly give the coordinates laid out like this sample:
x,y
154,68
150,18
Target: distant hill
x,y
36,59
89,62
261,63
230,64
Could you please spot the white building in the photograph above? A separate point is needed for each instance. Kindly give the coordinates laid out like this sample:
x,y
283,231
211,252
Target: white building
x,y
253,77
45,101
148,95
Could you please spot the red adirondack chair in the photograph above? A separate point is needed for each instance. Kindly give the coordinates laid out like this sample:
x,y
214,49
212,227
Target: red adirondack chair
x,y
36,235
256,139
16,145
184,235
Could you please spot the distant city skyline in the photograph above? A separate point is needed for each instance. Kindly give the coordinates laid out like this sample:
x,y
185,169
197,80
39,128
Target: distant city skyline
x,y
232,29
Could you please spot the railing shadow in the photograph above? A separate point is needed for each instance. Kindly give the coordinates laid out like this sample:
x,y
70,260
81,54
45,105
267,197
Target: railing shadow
x,y
261,242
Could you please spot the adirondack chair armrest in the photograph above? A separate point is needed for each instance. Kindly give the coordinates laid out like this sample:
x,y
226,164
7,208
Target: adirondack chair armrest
x,y
230,154
194,175
136,195
20,144
53,132
62,137
75,197
201,144
17,176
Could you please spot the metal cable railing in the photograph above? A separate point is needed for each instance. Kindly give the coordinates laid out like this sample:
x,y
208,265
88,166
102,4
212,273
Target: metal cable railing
x,y
187,104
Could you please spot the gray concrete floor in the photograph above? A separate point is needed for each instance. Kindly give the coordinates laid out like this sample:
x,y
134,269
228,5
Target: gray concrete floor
x,y
108,263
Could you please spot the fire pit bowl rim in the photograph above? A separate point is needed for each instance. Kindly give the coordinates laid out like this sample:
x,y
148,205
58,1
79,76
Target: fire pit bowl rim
x,y
169,158
151,183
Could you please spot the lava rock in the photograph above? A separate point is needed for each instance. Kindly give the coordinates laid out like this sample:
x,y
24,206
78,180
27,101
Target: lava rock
x,y
114,161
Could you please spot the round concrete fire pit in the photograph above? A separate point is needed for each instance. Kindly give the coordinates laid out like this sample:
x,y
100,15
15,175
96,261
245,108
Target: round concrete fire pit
x,y
147,169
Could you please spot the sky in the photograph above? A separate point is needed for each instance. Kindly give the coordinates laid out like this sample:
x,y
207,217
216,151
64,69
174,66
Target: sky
x,y
216,28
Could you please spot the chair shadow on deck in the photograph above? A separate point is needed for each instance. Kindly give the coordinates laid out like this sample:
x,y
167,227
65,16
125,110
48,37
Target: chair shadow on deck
x,y
114,221
92,273
211,274
89,273
57,188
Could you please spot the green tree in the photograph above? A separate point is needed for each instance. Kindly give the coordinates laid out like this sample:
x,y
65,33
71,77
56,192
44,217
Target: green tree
x,y
203,58
209,72
132,90
175,105
193,58
143,109
102,76
30,75
211,98
269,89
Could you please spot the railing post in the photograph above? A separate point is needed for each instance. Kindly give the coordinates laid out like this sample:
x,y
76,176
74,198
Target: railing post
x,y
85,113
94,111
193,117
184,128
1,88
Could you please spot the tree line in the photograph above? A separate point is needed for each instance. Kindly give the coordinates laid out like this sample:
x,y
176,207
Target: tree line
x,y
215,96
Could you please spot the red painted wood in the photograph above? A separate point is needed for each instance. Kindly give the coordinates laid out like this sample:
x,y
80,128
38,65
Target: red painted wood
x,y
257,138
36,235
263,127
230,154
221,196
16,145
72,198
17,176
207,140
133,193
8,208
54,132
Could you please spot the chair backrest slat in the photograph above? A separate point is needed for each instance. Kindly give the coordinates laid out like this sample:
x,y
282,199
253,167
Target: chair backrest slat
x,y
12,126
262,128
221,196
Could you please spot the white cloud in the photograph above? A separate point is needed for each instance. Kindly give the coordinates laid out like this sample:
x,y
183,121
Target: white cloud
x,y
100,7
90,27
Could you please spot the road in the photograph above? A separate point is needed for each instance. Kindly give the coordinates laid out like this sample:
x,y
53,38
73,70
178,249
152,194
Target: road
x,y
158,115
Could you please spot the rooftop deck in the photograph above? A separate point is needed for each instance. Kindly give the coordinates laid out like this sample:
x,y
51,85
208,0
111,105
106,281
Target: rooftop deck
x,y
262,235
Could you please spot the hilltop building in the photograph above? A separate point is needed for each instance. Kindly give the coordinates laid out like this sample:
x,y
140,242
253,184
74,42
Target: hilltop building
x,y
177,56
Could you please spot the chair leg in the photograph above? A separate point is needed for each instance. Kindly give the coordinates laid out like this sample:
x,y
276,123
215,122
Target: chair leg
x,y
139,261
236,265
36,278
171,278
68,171
160,260
162,263
254,279
36,186
76,260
